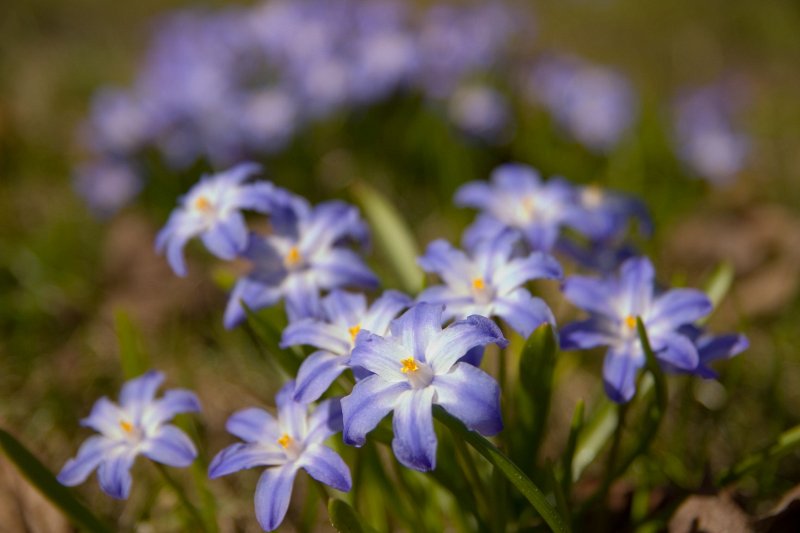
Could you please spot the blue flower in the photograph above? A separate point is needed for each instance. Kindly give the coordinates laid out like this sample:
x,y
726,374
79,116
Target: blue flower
x,y
344,315
212,208
712,348
285,445
614,304
417,366
107,185
138,425
517,198
304,254
490,282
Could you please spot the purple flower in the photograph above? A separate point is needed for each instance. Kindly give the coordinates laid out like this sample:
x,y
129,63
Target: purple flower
x,y
107,186
212,209
415,367
293,441
614,305
489,282
595,105
480,111
344,315
708,141
712,348
517,198
138,425
304,254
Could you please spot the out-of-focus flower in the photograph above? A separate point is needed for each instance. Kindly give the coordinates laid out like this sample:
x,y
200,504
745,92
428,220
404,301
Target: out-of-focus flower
x,y
708,141
344,315
138,425
517,198
415,367
489,282
304,254
106,186
593,104
293,441
480,111
712,348
614,304
213,209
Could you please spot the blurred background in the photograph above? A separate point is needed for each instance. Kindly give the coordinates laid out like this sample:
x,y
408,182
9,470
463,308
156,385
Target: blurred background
x,y
109,111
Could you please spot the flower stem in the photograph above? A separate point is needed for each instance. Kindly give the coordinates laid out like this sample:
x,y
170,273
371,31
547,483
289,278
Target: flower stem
x,y
175,486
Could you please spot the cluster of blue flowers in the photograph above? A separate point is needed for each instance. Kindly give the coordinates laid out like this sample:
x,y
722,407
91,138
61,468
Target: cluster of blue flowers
x,y
240,83
405,354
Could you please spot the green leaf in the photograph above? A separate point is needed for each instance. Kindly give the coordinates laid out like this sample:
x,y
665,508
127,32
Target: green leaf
x,y
787,442
719,283
131,346
392,236
345,519
596,433
510,470
567,459
46,483
536,366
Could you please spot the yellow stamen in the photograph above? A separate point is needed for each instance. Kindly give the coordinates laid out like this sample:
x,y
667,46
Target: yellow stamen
x,y
409,365
293,257
478,284
126,426
202,204
592,196
285,441
630,321
354,331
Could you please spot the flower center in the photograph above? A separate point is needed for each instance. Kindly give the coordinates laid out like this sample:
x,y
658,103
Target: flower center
x,y
481,293
285,441
592,196
478,284
409,365
293,258
353,332
419,374
203,204
630,321
126,426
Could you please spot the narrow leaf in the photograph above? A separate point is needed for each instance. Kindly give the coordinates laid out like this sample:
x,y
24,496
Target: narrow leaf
x,y
510,470
595,435
345,519
787,442
392,236
46,483
567,460
131,346
719,283
536,366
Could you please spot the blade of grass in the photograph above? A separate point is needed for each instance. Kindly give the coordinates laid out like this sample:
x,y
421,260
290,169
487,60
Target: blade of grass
x,y
345,519
47,484
131,346
787,442
567,459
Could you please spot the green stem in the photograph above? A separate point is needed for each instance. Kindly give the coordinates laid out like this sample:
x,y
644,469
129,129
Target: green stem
x,y
787,442
175,486
511,471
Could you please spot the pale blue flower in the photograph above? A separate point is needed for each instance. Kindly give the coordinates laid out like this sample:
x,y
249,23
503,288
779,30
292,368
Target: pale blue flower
x,y
285,445
138,425
414,367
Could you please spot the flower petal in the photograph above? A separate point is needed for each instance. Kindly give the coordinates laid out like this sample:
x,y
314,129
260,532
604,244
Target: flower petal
x,y
255,293
414,442
316,374
344,308
471,395
371,400
273,493
380,355
679,352
637,278
326,420
174,402
114,472
537,265
302,297
104,417
139,392
322,335
90,454
227,238
384,310
339,267
326,466
449,263
328,223
253,425
458,338
590,294
417,327
585,334
677,307
523,312
170,446
241,456
619,372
